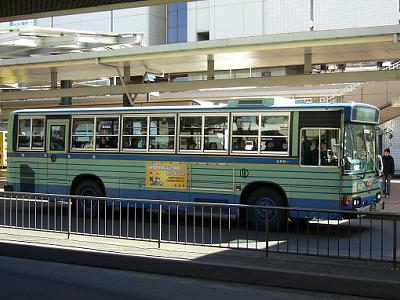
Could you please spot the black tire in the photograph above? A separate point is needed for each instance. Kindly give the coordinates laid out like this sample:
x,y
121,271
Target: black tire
x,y
86,207
277,218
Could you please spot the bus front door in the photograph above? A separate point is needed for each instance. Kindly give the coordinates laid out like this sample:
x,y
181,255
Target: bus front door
x,y
57,147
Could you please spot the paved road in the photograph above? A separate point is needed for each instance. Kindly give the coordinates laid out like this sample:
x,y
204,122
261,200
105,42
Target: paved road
x,y
27,279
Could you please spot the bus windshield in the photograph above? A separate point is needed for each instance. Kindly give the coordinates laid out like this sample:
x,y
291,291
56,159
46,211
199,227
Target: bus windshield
x,y
359,148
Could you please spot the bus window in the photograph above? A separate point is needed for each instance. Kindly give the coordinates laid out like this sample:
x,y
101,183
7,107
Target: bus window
x,y
38,134
24,133
274,133
82,133
318,147
329,147
162,133
216,133
245,133
190,130
134,134
107,130
57,137
31,133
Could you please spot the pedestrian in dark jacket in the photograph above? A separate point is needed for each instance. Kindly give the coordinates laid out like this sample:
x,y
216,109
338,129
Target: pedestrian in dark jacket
x,y
388,171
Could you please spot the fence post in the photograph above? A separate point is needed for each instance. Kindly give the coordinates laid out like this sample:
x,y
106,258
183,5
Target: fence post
x,y
69,216
266,233
159,224
394,243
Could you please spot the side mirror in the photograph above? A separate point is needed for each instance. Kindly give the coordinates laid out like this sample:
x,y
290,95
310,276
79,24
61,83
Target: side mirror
x,y
380,165
389,134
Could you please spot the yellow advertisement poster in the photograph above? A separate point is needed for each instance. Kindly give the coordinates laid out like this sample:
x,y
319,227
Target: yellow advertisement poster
x,y
168,175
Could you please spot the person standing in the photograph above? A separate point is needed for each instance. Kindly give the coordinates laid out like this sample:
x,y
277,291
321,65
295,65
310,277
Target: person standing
x,y
388,171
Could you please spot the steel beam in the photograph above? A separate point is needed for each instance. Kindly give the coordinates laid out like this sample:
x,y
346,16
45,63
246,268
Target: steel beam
x,y
288,81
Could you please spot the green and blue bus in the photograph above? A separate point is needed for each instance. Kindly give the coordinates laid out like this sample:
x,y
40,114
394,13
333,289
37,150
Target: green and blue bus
x,y
251,151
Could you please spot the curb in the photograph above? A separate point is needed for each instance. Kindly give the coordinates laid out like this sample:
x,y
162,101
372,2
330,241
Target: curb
x,y
318,282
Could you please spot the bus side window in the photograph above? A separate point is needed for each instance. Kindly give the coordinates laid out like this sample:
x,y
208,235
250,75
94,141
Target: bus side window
x,y
134,133
318,147
162,133
216,133
310,147
107,132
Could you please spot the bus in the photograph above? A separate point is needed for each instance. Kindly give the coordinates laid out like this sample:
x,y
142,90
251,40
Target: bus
x,y
3,149
251,151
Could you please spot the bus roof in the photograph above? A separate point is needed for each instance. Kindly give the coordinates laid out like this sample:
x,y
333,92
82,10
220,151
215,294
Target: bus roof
x,y
89,110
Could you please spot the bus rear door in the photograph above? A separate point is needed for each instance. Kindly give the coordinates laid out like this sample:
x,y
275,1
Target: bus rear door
x,y
57,147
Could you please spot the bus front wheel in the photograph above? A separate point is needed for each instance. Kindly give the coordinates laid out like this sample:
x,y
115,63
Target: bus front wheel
x,y
277,218
87,206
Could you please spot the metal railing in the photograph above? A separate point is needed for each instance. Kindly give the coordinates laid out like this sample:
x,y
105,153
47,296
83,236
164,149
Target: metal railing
x,y
358,235
355,85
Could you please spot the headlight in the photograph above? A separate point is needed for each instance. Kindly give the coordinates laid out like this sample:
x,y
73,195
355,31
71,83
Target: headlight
x,y
378,197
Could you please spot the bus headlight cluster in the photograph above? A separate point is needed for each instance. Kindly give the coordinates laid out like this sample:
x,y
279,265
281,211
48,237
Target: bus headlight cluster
x,y
356,202
378,197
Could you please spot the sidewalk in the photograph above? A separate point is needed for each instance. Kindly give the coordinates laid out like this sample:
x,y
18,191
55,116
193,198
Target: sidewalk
x,y
392,203
344,276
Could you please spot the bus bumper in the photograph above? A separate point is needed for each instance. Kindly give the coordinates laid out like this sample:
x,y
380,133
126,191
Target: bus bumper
x,y
376,207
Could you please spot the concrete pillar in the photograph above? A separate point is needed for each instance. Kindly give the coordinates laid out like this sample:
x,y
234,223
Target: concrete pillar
x,y
210,67
53,79
126,79
307,61
65,84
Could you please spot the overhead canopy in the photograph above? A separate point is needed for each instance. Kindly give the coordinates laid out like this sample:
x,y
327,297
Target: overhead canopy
x,y
24,41
389,111
11,10
336,46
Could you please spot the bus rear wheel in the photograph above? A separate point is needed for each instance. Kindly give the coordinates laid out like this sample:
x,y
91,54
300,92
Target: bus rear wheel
x,y
277,218
88,207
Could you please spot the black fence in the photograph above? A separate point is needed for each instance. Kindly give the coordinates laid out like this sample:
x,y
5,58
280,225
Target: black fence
x,y
357,235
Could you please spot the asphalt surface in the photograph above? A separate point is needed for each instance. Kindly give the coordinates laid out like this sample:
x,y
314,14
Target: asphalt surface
x,y
29,279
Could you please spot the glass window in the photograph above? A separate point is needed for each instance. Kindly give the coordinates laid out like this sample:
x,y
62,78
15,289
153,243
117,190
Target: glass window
x,y
274,133
190,132
319,147
31,133
172,7
182,15
245,133
24,133
107,133
82,133
359,148
177,23
172,35
37,133
162,133
182,34
216,133
134,133
309,147
57,138
173,18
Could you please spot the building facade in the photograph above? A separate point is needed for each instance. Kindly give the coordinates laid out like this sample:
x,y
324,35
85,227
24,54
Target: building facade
x,y
239,18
